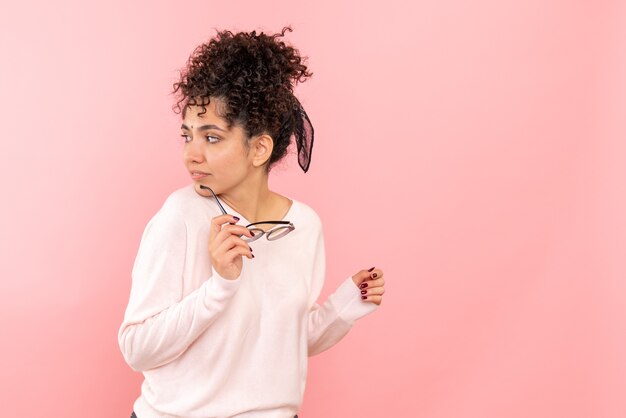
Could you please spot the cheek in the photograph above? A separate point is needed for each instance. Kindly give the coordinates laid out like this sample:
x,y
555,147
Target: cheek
x,y
227,164
222,160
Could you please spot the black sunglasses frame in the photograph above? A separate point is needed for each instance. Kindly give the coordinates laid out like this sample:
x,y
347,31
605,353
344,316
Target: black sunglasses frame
x,y
268,234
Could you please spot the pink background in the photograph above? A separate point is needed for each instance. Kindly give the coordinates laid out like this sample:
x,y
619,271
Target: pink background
x,y
474,151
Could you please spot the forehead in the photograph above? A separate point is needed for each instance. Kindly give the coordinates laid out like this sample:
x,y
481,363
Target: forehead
x,y
195,114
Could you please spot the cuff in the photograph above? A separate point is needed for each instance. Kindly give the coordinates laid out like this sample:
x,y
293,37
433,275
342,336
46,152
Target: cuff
x,y
348,303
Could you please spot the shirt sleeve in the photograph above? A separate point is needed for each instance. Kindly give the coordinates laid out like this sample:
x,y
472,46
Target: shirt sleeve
x,y
159,324
331,321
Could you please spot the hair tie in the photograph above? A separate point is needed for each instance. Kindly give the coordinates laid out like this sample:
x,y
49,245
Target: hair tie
x,y
304,138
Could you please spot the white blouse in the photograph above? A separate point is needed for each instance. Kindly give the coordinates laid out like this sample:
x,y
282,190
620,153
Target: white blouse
x,y
212,347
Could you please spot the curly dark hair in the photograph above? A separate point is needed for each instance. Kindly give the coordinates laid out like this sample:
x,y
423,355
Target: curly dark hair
x,y
253,75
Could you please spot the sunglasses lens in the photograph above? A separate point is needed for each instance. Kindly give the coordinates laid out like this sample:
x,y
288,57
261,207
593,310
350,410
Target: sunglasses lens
x,y
276,233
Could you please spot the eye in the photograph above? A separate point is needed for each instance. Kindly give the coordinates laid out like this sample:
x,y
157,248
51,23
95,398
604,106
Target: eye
x,y
208,137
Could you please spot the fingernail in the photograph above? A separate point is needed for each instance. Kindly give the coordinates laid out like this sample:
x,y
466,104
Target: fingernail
x,y
236,218
371,269
363,292
363,285
252,255
374,275
363,297
250,247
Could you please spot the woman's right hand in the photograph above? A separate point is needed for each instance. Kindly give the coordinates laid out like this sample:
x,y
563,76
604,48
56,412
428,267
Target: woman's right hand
x,y
226,247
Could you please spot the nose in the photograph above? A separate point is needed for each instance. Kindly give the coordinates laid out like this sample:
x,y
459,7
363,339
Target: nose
x,y
193,152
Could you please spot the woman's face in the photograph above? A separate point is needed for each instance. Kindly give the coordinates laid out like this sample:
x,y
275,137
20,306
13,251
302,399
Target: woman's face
x,y
210,147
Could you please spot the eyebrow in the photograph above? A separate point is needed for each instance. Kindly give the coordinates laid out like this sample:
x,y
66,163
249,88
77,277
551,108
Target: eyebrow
x,y
203,127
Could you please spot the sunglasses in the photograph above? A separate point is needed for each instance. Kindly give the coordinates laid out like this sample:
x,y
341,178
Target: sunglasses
x,y
272,235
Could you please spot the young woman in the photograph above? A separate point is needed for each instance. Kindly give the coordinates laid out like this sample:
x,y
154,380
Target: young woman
x,y
222,314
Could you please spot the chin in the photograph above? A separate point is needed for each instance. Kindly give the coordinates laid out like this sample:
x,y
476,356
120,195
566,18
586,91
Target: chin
x,y
201,191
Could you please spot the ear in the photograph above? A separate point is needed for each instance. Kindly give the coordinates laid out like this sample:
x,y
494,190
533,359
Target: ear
x,y
261,148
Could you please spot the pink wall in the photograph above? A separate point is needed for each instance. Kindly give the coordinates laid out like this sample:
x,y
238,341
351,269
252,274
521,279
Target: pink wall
x,y
475,151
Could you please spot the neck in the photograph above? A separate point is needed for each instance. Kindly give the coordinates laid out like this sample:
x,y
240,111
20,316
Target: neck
x,y
251,198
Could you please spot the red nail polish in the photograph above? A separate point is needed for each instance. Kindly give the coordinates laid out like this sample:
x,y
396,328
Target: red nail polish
x,y
370,270
363,285
374,275
363,297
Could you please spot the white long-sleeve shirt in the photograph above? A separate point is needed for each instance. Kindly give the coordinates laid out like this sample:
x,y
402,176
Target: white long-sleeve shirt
x,y
212,347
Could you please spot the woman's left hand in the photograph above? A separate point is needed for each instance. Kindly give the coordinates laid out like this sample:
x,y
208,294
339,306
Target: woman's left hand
x,y
371,285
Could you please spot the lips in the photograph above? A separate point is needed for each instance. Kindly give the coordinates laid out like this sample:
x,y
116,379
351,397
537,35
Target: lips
x,y
198,175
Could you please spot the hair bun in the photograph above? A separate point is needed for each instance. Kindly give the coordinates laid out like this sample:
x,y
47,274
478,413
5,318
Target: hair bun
x,y
281,63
